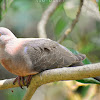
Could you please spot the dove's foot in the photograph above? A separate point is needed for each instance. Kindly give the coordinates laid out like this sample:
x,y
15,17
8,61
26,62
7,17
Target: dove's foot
x,y
20,78
28,80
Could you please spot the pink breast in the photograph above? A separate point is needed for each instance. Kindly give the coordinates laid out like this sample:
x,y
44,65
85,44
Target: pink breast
x,y
7,64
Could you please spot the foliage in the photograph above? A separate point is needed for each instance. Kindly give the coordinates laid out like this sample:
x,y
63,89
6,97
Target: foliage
x,y
98,2
4,5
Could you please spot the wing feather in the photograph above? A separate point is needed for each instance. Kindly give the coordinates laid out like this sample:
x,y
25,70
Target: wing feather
x,y
47,54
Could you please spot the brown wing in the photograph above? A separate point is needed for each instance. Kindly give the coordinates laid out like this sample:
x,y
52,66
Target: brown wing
x,y
47,54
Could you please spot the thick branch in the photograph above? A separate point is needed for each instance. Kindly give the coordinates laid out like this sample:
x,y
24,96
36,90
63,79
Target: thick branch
x,y
7,83
45,16
69,73
70,29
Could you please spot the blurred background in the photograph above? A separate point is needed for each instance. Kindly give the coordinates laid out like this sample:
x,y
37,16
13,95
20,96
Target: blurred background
x,y
22,17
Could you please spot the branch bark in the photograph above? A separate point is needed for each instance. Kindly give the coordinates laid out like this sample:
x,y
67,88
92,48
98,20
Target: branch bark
x,y
45,16
69,73
70,29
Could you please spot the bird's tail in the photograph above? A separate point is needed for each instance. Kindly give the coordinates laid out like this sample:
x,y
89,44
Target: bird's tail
x,y
82,57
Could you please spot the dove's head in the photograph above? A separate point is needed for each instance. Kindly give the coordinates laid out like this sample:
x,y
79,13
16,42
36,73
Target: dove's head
x,y
5,35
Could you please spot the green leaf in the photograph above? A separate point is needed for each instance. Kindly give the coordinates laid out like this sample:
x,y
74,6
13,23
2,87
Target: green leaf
x,y
82,90
86,61
89,81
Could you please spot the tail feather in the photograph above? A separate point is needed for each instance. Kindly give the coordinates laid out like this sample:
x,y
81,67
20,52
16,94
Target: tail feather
x,y
80,63
81,57
77,64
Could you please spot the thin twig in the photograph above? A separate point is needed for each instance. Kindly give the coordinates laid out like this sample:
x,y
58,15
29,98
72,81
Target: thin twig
x,y
45,16
69,30
0,10
5,4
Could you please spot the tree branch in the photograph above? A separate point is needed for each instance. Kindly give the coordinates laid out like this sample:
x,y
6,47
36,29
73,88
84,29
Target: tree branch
x,y
69,73
45,16
69,30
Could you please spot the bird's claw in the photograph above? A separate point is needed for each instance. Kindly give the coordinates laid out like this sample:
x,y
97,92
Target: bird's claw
x,y
20,78
28,80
